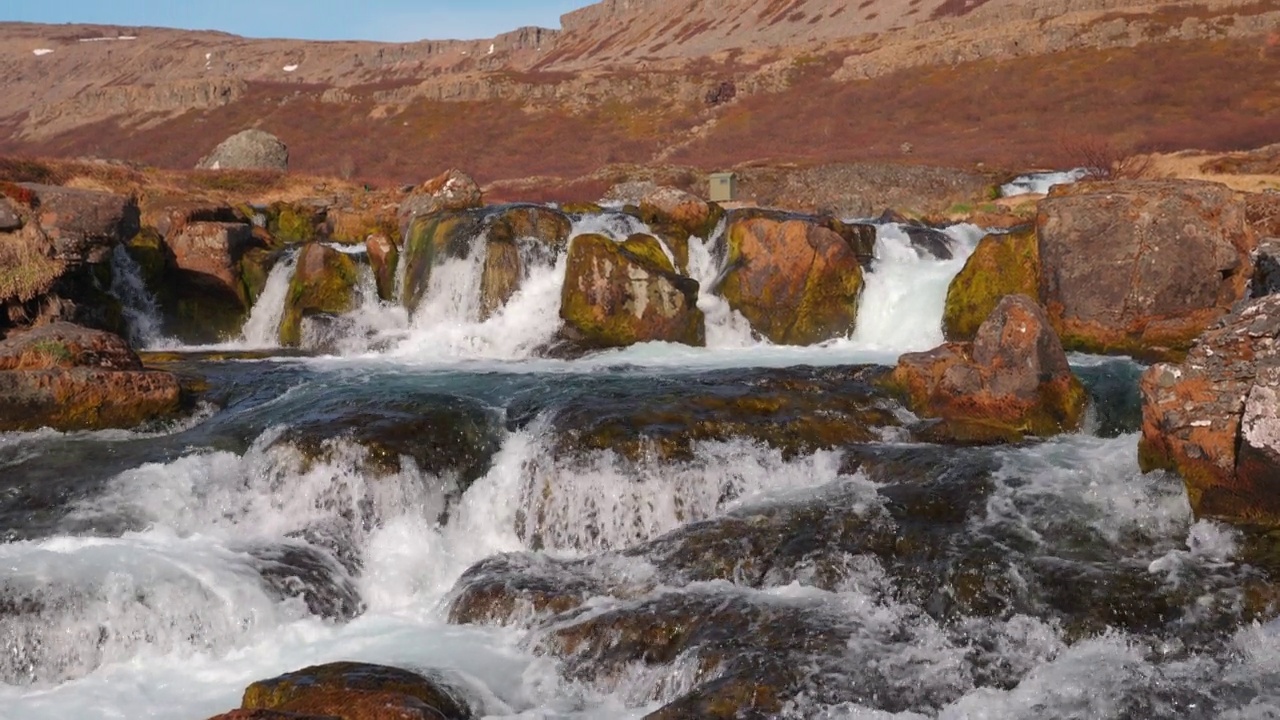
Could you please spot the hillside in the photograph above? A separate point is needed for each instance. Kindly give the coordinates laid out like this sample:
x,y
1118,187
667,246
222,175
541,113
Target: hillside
x,y
1001,82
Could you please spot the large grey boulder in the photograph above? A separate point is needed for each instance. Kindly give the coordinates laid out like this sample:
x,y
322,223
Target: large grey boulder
x,y
248,150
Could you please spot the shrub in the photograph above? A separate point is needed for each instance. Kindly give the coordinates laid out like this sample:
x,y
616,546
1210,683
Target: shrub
x,y
1103,159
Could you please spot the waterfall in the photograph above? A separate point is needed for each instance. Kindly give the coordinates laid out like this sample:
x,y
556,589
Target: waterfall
x,y
262,329
141,312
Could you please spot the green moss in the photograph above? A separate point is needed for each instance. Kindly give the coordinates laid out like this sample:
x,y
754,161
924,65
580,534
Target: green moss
x,y
255,266
292,224
429,239
54,350
647,250
1001,265
321,285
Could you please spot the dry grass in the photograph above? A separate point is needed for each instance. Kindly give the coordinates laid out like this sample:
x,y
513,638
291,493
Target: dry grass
x,y
26,270
1103,159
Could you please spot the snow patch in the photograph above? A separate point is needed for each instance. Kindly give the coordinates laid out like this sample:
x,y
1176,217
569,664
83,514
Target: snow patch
x,y
41,51
290,68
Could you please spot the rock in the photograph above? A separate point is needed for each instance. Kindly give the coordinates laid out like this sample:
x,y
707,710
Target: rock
x,y
1266,269
298,222
619,294
1208,418
1263,213
515,238
248,150
10,219
270,715
84,225
675,216
1141,267
206,298
325,282
384,258
1013,380
168,214
358,224
450,190
72,378
358,691
796,281
1001,264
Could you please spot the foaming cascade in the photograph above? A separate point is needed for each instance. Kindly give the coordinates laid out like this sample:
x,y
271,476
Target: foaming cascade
x,y
141,312
906,291
262,329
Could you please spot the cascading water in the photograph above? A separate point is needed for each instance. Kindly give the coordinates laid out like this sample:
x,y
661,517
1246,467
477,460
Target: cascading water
x,y
141,312
262,329
600,538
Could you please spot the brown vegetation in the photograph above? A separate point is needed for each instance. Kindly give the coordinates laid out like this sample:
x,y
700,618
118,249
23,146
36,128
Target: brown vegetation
x,y
1103,159
26,268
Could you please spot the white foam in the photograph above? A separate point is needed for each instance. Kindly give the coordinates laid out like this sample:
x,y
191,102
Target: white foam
x,y
262,329
141,312
1040,183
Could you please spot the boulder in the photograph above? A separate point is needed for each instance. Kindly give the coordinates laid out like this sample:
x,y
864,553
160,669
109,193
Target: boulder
x,y
619,294
675,216
1001,264
84,225
270,715
248,150
1012,380
360,691
324,282
68,378
796,281
10,218
203,290
384,258
1263,213
1141,267
450,190
1211,419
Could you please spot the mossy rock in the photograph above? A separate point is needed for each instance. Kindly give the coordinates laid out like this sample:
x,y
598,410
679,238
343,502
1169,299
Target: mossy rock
x,y
581,208
255,266
649,250
1002,264
148,250
431,238
324,282
295,223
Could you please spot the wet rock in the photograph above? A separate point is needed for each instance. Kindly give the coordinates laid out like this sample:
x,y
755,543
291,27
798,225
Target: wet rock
x,y
796,281
206,299
325,282
1266,271
450,190
270,715
1001,264
358,691
72,378
928,241
311,575
431,239
675,215
1013,380
384,258
1209,419
619,294
797,410
520,588
248,150
1141,267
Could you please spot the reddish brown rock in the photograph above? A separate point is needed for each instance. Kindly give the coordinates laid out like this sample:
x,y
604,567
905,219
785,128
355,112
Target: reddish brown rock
x,y
209,253
1012,380
270,715
796,281
384,257
619,294
168,215
1212,418
450,190
359,691
675,216
84,225
71,378
1141,267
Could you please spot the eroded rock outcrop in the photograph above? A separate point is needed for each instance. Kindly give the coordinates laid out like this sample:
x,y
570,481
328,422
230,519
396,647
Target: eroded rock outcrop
x,y
1141,267
1012,381
68,377
203,288
1212,419
619,294
795,280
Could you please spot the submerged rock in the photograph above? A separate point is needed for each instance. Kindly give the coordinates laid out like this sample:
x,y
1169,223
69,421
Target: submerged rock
x,y
796,281
325,282
68,377
1013,380
384,258
620,294
1001,264
1212,419
1141,267
359,691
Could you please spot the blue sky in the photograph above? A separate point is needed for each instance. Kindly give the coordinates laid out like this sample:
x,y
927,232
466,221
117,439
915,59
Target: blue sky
x,y
395,20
